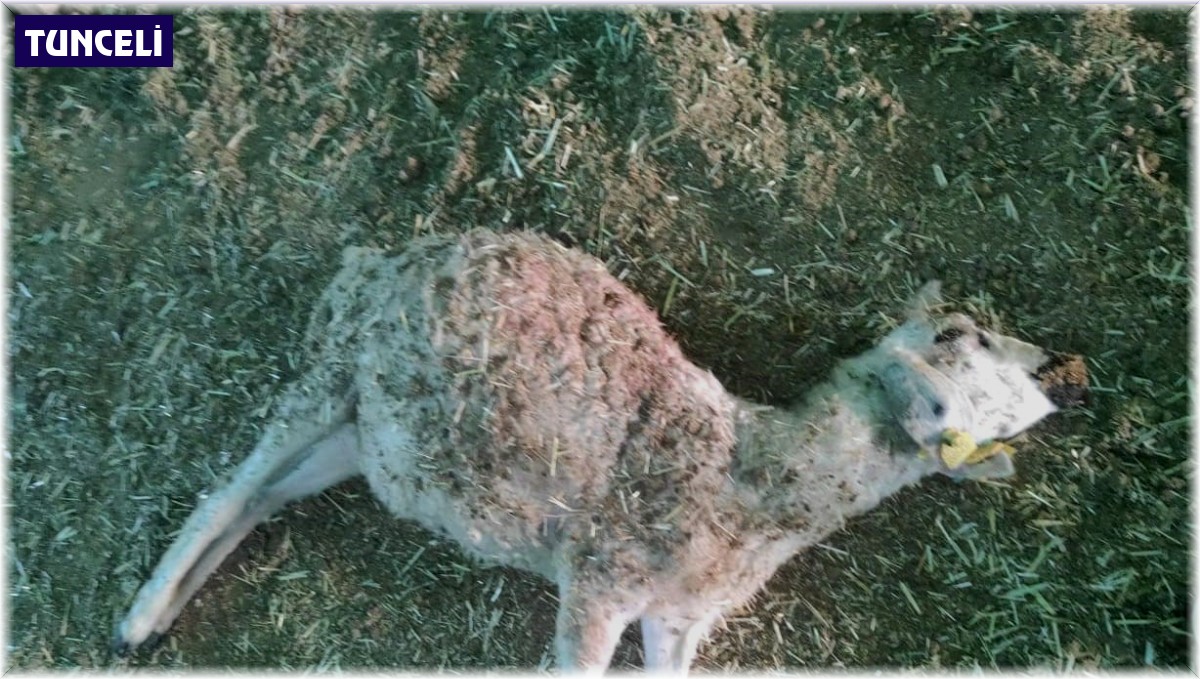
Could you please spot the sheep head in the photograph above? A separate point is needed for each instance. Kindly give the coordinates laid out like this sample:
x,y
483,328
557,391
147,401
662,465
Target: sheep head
x,y
945,377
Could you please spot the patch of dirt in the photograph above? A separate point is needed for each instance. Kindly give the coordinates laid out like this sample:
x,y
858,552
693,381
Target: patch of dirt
x,y
724,103
440,56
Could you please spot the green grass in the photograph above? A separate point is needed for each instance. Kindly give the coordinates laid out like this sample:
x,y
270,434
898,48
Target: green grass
x,y
171,229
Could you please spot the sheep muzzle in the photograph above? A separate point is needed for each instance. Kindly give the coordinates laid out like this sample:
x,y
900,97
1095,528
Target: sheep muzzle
x,y
1064,379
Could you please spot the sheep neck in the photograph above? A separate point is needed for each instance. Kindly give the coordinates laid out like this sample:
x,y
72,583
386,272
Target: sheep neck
x,y
835,456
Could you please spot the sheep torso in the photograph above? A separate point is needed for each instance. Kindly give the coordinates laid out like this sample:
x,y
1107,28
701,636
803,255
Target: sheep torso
x,y
515,395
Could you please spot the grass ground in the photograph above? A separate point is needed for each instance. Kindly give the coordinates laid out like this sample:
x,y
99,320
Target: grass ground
x,y
774,183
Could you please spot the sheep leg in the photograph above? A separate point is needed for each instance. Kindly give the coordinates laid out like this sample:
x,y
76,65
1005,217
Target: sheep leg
x,y
289,463
670,643
588,629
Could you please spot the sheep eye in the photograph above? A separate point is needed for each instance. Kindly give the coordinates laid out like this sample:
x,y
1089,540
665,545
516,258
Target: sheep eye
x,y
947,335
939,409
984,341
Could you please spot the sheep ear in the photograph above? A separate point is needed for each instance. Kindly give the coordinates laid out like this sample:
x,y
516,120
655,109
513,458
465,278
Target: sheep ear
x,y
924,300
1028,356
999,466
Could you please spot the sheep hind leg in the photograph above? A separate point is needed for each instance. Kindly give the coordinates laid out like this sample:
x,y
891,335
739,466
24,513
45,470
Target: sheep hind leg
x,y
589,628
669,643
222,520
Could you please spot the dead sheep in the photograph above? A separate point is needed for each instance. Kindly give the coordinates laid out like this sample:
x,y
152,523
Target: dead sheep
x,y
511,394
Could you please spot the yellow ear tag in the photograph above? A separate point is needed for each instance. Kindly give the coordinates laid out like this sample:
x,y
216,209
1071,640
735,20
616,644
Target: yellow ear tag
x,y
990,449
957,447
